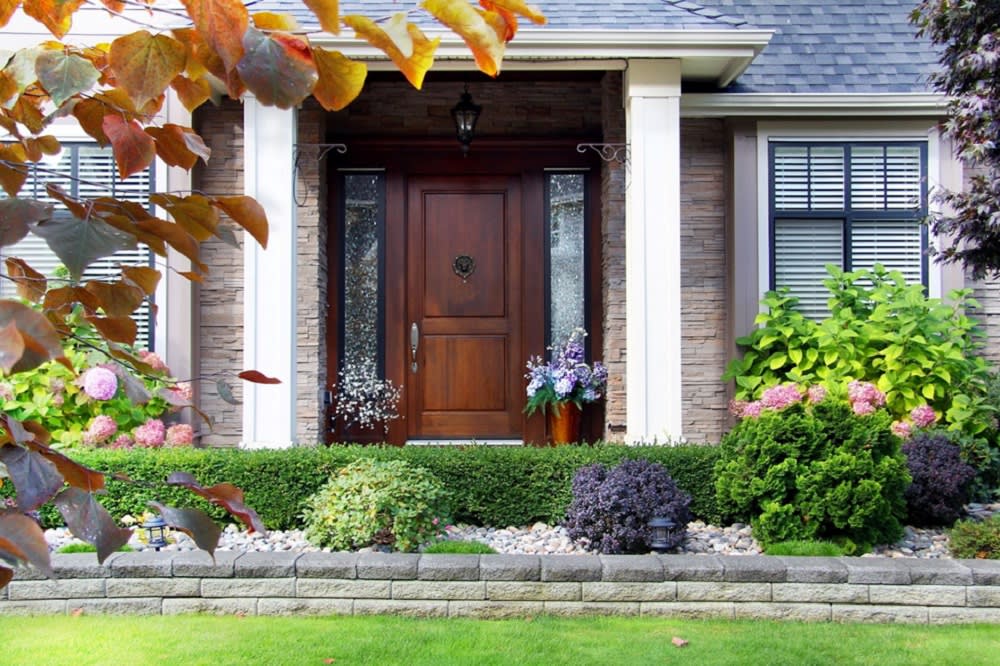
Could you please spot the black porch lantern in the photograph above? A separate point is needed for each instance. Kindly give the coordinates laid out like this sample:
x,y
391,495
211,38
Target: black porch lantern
x,y
465,114
661,534
155,532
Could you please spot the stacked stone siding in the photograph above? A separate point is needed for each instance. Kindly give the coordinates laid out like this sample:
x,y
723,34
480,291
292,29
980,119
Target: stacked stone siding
x,y
704,319
987,292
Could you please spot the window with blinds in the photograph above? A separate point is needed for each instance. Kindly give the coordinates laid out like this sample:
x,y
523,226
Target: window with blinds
x,y
853,205
86,171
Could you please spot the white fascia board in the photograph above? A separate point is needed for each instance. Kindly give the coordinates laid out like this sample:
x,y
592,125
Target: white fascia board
x,y
718,105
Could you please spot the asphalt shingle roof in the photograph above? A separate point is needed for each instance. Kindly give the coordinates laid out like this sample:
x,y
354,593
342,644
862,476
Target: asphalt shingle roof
x,y
843,46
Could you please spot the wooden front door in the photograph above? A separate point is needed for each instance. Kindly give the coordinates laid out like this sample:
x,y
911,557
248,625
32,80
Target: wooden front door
x,y
463,305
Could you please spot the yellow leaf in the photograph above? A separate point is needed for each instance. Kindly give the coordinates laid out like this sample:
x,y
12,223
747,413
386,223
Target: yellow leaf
x,y
221,23
145,64
56,15
192,92
272,21
340,79
479,30
395,29
327,12
413,68
248,214
12,177
7,9
529,12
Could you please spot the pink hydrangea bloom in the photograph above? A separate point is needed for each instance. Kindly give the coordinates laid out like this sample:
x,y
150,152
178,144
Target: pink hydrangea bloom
x,y
901,429
184,391
736,407
101,428
151,433
6,392
58,400
57,385
753,409
154,361
181,434
100,383
862,407
781,396
816,394
122,441
865,392
923,416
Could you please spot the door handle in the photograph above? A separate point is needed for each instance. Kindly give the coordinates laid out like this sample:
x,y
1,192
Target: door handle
x,y
414,344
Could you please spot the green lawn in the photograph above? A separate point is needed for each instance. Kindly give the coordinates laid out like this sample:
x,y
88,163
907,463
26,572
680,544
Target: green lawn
x,y
190,640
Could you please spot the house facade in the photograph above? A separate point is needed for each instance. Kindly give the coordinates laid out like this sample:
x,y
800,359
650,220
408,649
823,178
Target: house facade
x,y
644,169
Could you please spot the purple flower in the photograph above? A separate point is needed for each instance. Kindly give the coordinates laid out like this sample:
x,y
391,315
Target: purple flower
x,y
100,384
923,416
563,387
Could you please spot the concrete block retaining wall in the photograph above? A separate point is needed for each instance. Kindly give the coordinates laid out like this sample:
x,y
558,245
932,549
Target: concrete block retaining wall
x,y
499,586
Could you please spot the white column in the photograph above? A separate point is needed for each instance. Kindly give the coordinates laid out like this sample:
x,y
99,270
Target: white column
x,y
269,277
653,250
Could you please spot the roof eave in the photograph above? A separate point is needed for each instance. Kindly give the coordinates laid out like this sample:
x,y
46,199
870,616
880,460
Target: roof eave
x,y
720,105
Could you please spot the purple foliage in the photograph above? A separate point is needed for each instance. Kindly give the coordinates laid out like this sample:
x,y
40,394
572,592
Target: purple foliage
x,y
612,508
941,481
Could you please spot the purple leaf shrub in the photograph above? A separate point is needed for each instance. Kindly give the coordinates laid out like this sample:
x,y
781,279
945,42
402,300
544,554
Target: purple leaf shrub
x,y
612,507
941,480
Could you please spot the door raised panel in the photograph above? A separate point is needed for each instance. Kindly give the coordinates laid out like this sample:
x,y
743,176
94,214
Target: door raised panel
x,y
483,359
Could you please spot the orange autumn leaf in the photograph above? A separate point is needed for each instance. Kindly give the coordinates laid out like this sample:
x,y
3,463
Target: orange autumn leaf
x,y
222,24
272,21
172,145
529,12
479,30
7,9
134,149
413,67
340,79
327,13
145,64
56,15
192,92
509,18
247,213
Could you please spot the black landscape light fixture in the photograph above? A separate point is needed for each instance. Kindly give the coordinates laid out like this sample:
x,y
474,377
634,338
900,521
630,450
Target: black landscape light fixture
x,y
465,114
155,528
661,534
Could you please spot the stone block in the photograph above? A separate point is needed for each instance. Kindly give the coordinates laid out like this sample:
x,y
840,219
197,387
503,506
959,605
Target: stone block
x,y
979,595
699,591
248,587
62,588
327,565
502,590
388,566
82,565
603,591
876,571
117,606
689,609
439,589
153,587
949,615
631,568
773,611
448,567
705,568
403,607
984,572
199,564
510,567
299,607
34,607
936,572
495,610
242,606
266,565
584,608
29,573
145,564
879,614
814,570
577,568
819,593
753,569
337,588
917,595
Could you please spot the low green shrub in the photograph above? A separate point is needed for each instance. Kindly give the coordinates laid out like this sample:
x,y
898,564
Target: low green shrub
x,y
377,502
816,472
489,485
459,548
88,548
801,548
971,539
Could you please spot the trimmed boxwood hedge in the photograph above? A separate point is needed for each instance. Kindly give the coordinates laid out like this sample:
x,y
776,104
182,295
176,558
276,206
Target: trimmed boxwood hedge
x,y
490,485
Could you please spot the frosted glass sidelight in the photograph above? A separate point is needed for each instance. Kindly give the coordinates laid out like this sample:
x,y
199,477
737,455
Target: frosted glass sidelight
x,y
567,258
362,296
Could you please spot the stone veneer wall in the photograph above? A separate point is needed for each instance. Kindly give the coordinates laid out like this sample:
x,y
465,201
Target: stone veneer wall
x,y
987,292
503,586
704,312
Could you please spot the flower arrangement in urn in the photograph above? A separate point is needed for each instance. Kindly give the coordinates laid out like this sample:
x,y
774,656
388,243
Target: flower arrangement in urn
x,y
564,383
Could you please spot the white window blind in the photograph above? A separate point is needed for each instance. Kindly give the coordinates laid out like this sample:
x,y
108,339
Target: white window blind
x,y
853,205
85,171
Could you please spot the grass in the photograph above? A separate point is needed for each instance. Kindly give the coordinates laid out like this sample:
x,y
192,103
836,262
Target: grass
x,y
210,640
74,547
805,548
459,547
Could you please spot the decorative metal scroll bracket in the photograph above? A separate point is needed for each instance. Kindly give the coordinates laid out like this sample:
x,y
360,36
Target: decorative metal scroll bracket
x,y
609,152
320,150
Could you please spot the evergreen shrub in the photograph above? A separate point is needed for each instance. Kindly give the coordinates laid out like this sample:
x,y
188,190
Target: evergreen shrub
x,y
612,507
971,539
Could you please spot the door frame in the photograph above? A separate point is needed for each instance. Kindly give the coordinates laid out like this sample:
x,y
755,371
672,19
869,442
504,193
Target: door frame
x,y
399,159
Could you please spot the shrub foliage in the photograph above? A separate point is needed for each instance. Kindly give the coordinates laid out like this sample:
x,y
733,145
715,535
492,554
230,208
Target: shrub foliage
x,y
377,502
612,507
941,481
972,539
815,472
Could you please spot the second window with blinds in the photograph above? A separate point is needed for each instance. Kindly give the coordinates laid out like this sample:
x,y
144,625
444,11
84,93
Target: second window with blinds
x,y
850,204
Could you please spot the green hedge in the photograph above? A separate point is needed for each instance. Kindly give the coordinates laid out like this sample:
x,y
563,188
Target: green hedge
x,y
491,485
